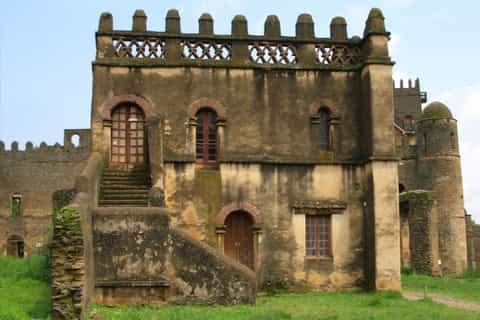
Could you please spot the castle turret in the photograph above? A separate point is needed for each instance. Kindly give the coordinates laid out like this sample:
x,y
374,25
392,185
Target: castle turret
x,y
440,171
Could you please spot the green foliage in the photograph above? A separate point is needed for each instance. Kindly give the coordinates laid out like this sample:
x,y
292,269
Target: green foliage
x,y
24,288
466,287
305,306
68,218
407,271
472,274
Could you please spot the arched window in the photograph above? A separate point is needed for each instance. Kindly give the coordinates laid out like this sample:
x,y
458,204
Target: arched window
x,y
206,136
128,135
324,127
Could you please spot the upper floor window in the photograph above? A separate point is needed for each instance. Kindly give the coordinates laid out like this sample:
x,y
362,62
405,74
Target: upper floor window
x,y
324,127
318,235
206,136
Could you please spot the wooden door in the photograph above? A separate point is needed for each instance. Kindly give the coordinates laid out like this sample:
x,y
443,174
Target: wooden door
x,y
239,237
128,136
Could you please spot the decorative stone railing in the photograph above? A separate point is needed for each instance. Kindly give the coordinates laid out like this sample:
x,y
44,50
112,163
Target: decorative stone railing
x,y
240,49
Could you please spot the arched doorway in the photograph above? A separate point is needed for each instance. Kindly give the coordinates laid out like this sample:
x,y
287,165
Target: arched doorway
x,y
239,237
15,246
128,144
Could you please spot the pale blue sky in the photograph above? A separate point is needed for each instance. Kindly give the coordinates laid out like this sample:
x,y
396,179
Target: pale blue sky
x,y
46,49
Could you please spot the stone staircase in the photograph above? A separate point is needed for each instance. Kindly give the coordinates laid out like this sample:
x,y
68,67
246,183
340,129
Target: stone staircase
x,y
124,187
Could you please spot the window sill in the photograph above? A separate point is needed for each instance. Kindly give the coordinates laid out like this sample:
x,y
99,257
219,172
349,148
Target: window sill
x,y
321,258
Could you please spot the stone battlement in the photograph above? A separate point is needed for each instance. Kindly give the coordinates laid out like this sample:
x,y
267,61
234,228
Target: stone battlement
x,y
70,150
410,88
143,47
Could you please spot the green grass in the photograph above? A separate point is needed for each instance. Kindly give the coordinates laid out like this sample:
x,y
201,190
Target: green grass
x,y
307,306
466,287
25,294
24,288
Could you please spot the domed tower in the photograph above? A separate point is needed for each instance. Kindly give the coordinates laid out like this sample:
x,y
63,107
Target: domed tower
x,y
440,171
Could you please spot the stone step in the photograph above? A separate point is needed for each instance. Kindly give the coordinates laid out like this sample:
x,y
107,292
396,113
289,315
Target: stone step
x,y
123,178
125,183
123,196
107,191
144,187
123,202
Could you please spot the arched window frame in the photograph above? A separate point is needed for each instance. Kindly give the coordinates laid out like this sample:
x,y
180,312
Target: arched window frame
x,y
206,136
319,126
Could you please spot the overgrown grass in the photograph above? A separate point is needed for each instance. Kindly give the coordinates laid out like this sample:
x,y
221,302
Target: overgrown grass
x,y
466,287
24,288
307,306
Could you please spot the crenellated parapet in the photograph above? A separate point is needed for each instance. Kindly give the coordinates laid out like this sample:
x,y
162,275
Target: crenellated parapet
x,y
409,88
142,47
72,150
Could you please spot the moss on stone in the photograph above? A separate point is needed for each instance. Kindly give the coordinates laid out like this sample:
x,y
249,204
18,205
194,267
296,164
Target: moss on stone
x,y
436,110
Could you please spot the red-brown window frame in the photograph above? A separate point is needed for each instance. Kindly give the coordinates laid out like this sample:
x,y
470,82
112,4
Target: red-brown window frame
x,y
319,251
207,143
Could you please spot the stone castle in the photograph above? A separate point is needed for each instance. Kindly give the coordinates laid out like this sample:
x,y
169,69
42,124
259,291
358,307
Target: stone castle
x,y
217,165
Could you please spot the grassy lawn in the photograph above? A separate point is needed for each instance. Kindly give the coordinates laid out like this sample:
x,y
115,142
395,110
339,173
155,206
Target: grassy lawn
x,y
308,306
25,294
24,288
466,287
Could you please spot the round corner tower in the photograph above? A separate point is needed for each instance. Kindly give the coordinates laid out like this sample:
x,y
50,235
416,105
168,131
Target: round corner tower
x,y
440,171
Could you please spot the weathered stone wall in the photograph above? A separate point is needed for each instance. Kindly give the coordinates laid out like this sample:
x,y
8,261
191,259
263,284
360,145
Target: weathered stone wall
x,y
67,264
139,257
72,263
268,120
473,243
421,230
201,199
35,174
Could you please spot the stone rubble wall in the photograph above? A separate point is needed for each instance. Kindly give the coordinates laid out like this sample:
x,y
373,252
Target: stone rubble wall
x,y
67,265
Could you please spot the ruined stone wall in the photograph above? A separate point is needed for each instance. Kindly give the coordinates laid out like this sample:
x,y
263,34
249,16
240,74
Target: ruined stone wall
x,y
35,174
67,264
201,198
140,258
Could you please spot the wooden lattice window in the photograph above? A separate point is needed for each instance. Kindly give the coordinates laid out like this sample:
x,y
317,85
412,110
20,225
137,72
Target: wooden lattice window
x,y
318,235
206,136
324,128
128,135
